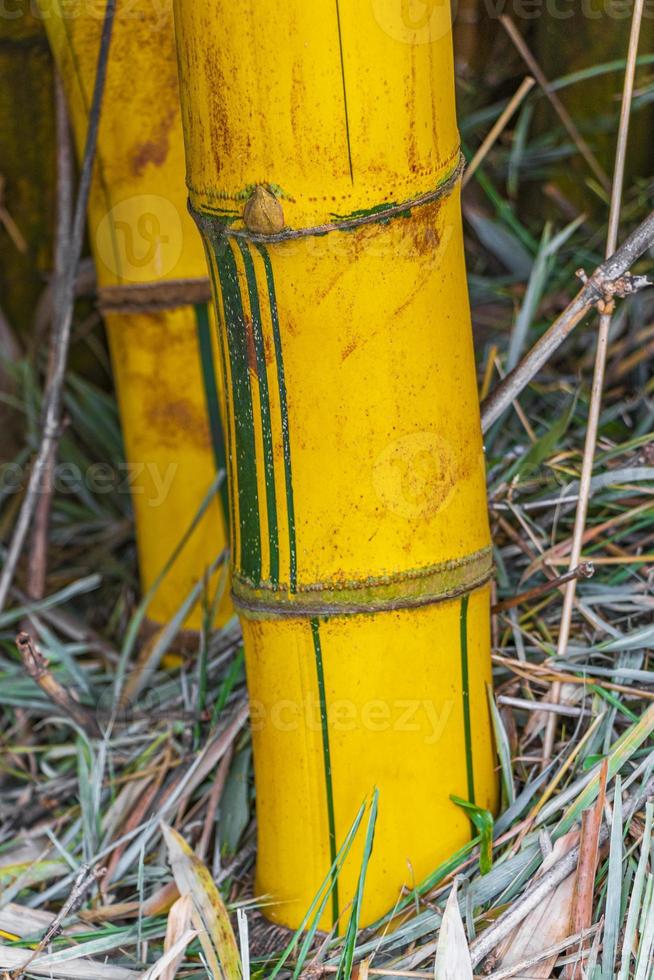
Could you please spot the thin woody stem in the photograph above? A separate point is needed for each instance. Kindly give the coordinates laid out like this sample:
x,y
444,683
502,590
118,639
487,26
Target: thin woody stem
x,y
598,374
525,87
65,296
38,550
555,102
610,279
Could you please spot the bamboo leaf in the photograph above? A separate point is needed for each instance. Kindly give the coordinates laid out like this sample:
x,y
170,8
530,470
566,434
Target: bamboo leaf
x,y
215,932
167,965
244,942
546,925
235,805
503,748
178,936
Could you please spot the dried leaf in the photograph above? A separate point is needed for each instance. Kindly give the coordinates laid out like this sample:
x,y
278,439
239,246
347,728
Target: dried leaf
x,y
179,919
209,913
166,968
546,925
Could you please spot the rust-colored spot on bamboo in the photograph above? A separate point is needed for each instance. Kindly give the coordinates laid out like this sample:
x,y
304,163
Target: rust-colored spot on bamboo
x,y
176,421
251,349
154,150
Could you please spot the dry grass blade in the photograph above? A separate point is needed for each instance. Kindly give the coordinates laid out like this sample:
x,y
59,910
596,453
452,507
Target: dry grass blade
x,y
516,100
452,954
209,911
13,959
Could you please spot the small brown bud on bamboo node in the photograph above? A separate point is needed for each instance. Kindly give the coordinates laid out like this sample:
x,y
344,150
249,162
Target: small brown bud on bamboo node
x,y
263,213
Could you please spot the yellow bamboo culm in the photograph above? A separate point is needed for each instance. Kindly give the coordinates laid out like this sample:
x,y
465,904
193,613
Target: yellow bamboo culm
x,y
323,167
152,283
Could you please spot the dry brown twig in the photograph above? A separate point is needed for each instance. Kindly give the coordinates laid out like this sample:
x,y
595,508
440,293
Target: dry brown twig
x,y
86,878
584,569
599,369
516,100
61,334
37,667
555,102
38,551
584,889
610,279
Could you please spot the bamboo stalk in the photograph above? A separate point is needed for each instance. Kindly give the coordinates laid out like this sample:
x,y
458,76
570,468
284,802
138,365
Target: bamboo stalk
x,y
360,558
153,291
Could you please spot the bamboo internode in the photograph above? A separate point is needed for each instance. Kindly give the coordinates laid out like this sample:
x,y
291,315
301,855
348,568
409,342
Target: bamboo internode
x,y
323,168
153,287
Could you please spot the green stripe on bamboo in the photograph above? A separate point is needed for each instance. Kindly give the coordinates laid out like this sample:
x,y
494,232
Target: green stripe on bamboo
x,y
246,467
324,723
264,403
465,696
228,407
283,401
212,400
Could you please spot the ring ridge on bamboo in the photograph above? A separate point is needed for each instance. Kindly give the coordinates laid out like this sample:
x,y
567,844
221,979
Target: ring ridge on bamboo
x,y
379,214
150,297
401,590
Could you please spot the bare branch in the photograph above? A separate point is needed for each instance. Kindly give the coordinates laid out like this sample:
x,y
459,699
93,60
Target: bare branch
x,y
37,667
612,278
66,302
599,369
